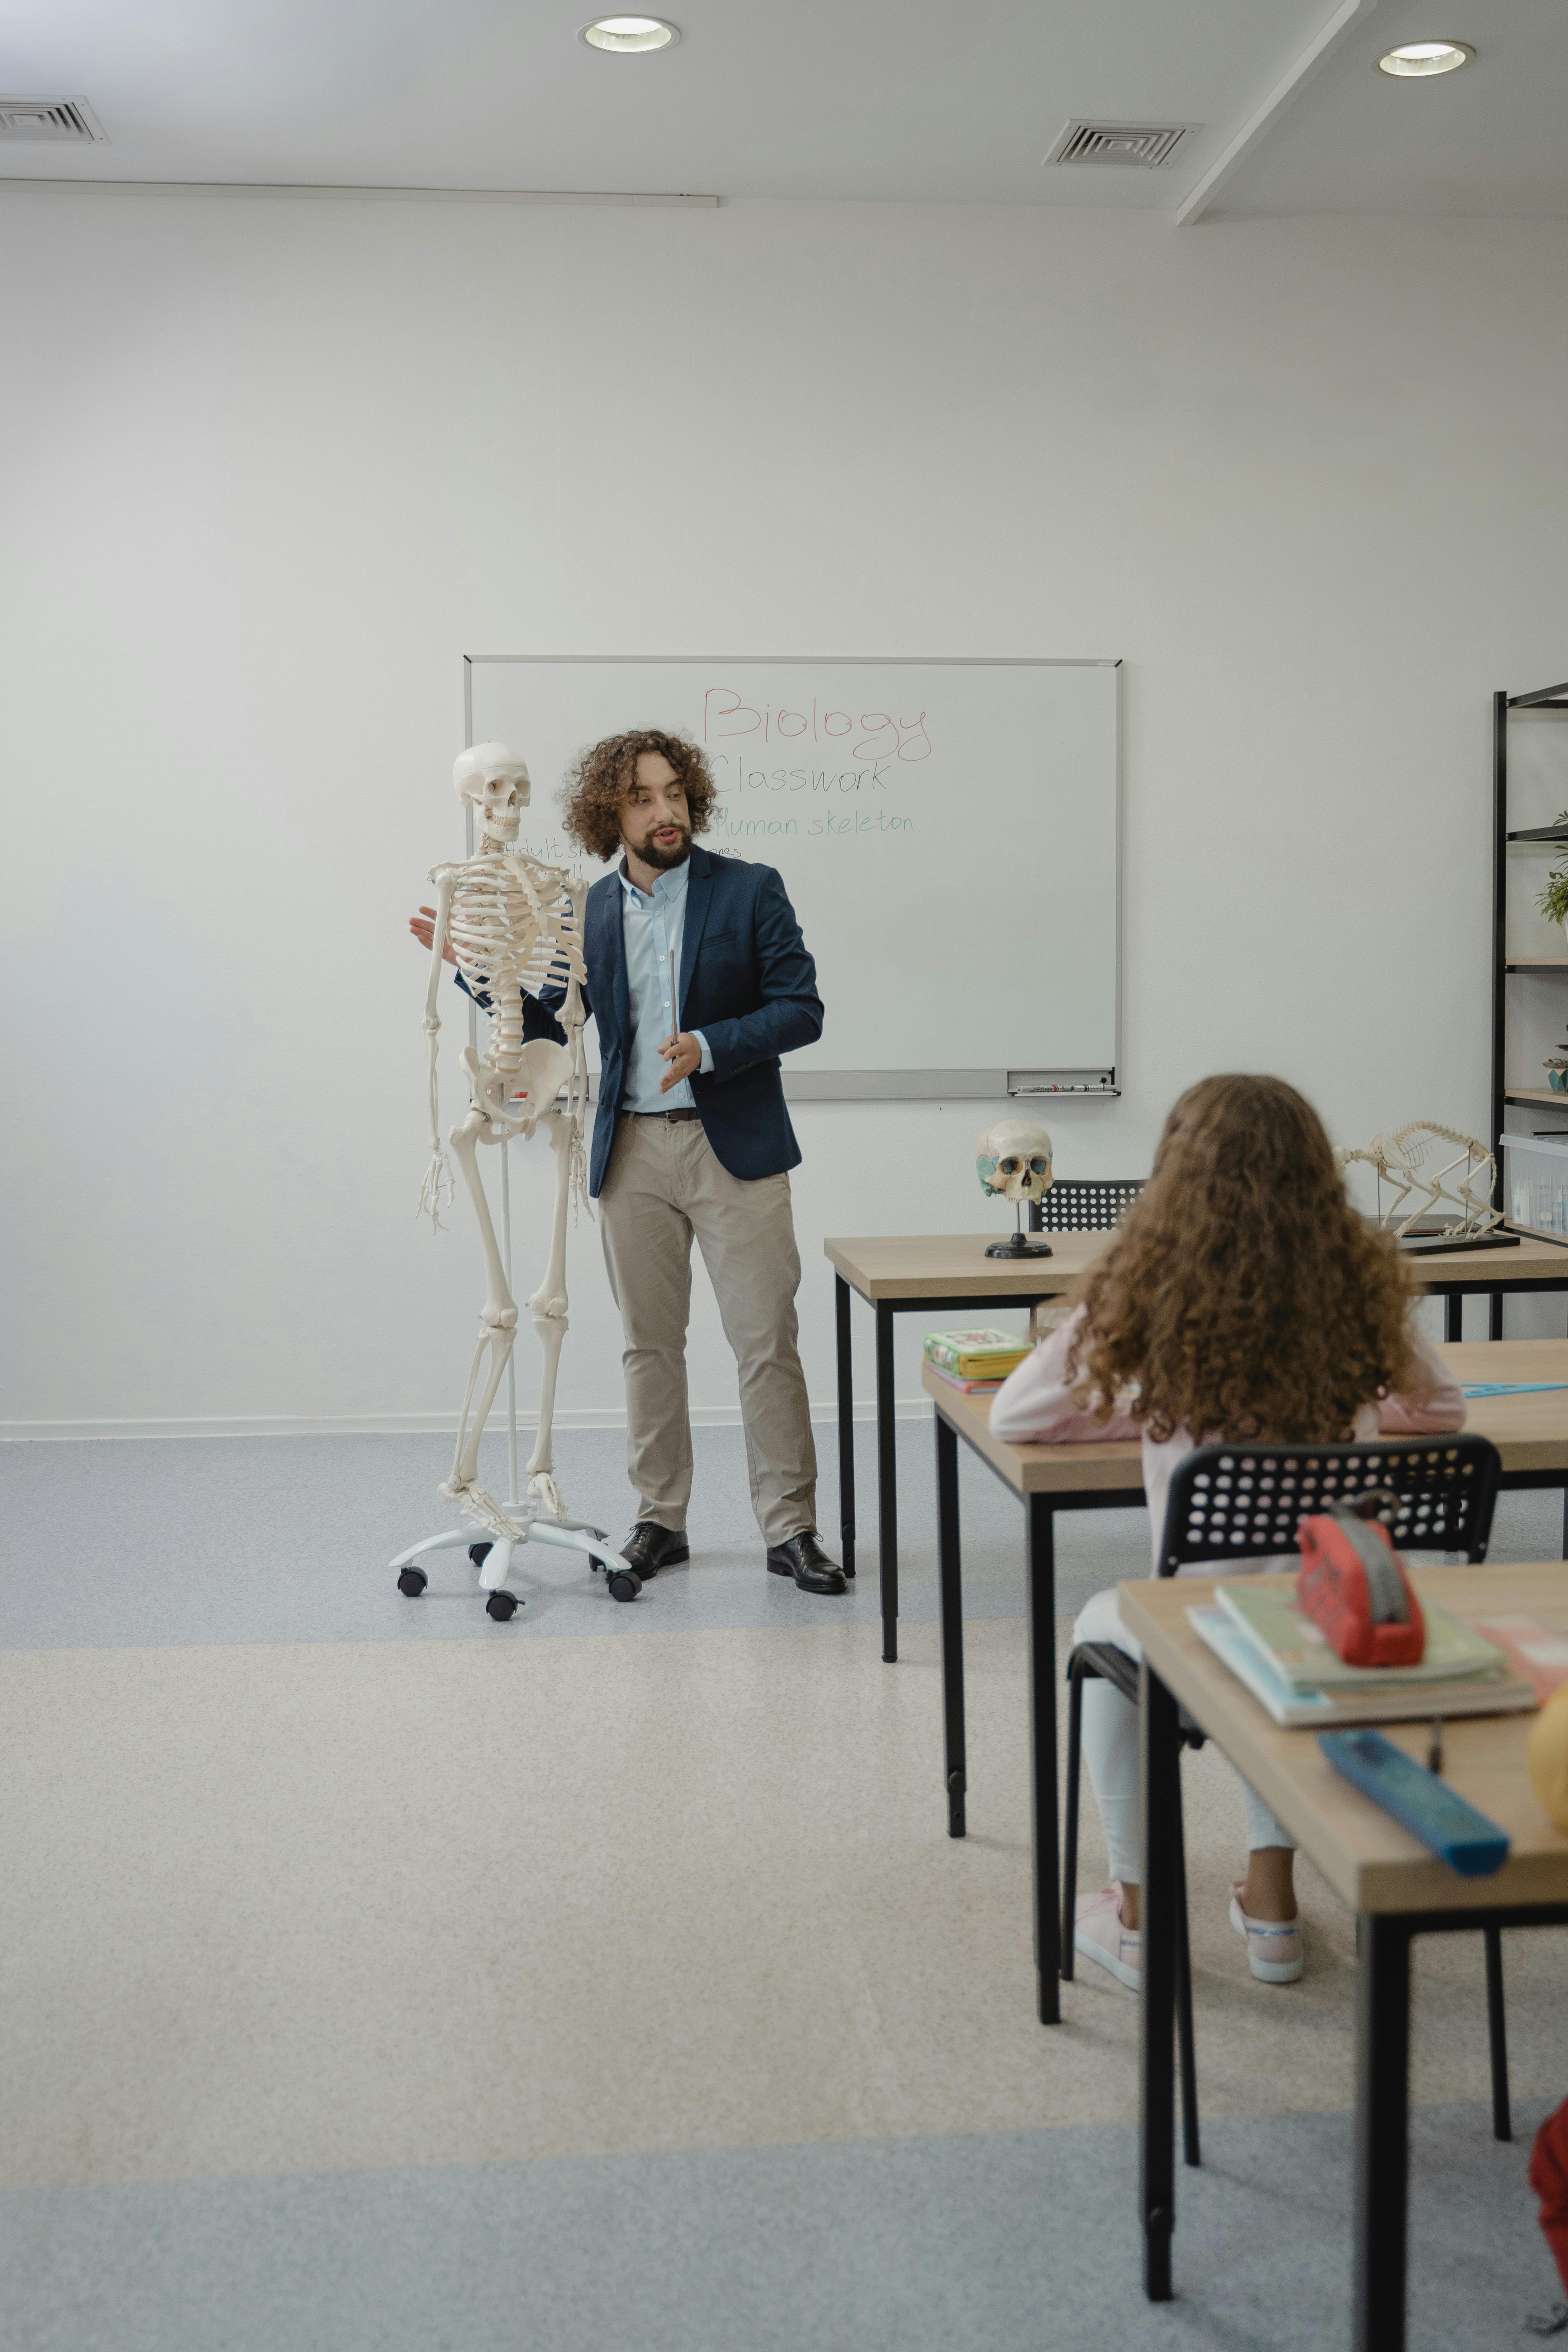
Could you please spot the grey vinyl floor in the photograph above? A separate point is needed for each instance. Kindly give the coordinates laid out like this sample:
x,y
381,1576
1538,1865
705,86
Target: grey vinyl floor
x,y
742,2062
997,2241
287,1539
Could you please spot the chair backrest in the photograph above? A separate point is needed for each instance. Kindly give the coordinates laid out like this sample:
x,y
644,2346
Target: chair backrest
x,y
1243,1502
1084,1204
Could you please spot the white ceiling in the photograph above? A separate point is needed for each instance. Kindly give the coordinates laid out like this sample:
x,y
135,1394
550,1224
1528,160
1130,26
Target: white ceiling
x,y
937,101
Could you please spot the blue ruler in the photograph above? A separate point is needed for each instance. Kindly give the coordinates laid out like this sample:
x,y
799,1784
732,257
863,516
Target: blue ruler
x,y
1509,1388
1421,1802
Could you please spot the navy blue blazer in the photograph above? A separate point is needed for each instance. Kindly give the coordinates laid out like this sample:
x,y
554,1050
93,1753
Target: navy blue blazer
x,y
746,980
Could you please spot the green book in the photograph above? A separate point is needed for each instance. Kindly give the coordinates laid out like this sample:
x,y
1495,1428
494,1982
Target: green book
x,y
983,1354
1470,1695
1301,1657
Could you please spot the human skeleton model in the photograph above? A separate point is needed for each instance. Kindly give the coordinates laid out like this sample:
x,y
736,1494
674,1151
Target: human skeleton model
x,y
515,924
1401,1160
1013,1162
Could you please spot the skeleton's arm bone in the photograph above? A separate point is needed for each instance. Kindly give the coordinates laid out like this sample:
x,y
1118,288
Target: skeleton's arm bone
x,y
438,1185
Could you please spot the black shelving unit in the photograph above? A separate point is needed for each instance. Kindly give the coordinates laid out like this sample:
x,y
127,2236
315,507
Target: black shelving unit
x,y
1504,966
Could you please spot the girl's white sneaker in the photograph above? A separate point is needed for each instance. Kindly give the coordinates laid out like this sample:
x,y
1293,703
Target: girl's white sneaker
x,y
1098,1933
1273,1946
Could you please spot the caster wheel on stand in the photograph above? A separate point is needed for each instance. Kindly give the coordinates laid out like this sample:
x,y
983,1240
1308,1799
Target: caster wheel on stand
x,y
501,1606
413,1581
624,1584
478,1554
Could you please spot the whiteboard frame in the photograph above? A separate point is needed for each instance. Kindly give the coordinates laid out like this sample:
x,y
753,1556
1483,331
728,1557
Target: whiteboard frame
x,y
1098,1084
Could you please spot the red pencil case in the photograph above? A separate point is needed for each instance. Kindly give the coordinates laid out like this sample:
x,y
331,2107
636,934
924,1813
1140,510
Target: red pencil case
x,y
1353,1587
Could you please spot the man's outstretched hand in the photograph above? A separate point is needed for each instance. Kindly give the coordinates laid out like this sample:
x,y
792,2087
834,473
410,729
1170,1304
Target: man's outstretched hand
x,y
423,926
683,1054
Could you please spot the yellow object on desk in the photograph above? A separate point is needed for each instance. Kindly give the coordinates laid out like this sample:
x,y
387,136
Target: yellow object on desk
x,y
1546,1758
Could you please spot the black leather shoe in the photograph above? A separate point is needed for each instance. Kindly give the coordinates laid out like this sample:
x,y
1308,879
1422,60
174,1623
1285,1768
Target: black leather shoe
x,y
649,1548
803,1557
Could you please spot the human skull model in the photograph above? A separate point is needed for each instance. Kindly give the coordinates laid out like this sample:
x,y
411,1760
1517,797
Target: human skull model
x,y
492,780
1014,1161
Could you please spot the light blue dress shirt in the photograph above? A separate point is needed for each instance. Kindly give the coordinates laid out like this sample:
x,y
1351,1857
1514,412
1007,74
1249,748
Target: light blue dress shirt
x,y
653,927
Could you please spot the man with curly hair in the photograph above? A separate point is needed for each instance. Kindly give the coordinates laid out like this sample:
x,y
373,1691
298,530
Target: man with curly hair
x,y
691,1137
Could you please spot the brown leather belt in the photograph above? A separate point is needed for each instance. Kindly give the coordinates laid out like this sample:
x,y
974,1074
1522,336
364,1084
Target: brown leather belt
x,y
671,1115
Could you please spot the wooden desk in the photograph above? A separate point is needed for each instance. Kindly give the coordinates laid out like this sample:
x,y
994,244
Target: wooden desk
x,y
1046,1479
1396,1887
950,1274
937,1274
1530,1434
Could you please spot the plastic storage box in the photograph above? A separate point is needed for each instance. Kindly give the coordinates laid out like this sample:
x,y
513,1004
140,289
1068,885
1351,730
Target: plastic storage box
x,y
1535,1183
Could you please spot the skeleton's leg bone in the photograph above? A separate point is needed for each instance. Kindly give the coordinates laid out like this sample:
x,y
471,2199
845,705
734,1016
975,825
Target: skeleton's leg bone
x,y
468,1401
548,1308
511,1359
498,1329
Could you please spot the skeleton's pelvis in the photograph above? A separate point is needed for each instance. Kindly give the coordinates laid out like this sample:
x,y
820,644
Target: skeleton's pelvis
x,y
519,1096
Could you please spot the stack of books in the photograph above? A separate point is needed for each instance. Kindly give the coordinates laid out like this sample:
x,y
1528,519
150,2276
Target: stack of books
x,y
975,1361
1268,1645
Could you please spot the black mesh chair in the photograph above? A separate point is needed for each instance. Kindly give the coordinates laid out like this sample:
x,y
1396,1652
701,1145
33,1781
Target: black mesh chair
x,y
1084,1204
1245,1502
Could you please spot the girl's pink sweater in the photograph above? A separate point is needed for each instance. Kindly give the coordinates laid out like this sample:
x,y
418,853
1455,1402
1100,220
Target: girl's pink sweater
x,y
1034,1406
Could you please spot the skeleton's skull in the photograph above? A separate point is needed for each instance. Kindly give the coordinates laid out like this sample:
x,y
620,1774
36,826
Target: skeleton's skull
x,y
1014,1161
494,781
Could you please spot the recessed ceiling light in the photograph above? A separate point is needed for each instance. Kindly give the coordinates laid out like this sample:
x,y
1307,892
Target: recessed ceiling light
x,y
1417,59
629,33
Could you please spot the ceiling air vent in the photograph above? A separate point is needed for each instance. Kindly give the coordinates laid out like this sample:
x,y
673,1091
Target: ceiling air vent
x,y
1149,144
49,118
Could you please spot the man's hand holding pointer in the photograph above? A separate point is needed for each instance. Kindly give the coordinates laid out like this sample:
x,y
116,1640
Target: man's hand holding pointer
x,y
684,1054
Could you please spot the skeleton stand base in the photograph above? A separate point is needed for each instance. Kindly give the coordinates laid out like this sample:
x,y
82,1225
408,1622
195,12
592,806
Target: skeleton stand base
x,y
492,1555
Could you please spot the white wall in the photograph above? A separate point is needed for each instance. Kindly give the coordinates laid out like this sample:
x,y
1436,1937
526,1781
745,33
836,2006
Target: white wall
x,y
275,465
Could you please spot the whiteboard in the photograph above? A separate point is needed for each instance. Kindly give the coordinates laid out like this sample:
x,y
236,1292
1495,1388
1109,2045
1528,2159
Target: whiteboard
x,y
948,833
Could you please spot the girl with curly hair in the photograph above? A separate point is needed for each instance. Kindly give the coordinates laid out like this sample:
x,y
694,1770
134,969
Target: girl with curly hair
x,y
1244,1297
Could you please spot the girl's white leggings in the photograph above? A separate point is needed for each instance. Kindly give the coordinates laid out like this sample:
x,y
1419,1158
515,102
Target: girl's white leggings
x,y
1111,1751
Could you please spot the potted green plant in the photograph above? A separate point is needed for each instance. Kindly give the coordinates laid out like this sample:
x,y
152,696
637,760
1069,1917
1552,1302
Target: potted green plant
x,y
1554,900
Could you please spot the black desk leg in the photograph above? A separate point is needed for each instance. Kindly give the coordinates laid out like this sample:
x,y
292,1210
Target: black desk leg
x,y
1497,2029
1382,2150
845,1424
1453,1315
1041,1591
1162,1890
887,1484
1494,1315
951,1579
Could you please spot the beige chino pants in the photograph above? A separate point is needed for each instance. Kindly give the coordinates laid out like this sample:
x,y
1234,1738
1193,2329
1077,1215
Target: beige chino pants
x,y
664,1185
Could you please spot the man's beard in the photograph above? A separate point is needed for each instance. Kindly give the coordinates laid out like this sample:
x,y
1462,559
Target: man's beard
x,y
663,860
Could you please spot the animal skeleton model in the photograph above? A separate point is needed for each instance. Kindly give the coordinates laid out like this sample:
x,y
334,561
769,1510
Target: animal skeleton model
x,y
513,924
1400,1158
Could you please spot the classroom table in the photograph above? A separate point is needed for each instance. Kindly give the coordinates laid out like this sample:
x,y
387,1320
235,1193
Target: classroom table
x,y
1529,1432
939,1274
1397,1889
950,1274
